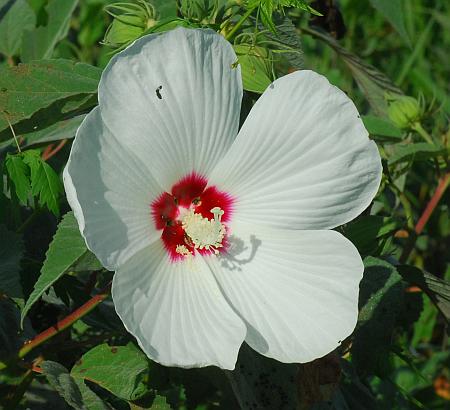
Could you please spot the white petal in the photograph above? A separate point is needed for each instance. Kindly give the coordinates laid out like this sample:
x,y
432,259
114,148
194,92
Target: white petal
x,y
196,119
110,192
296,290
302,159
176,311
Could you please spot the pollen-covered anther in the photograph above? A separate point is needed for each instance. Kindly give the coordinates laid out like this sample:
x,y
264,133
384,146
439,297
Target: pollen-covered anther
x,y
183,250
203,232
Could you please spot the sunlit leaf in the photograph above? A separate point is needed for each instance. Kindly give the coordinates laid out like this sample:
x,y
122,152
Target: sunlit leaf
x,y
27,88
19,174
420,151
65,250
255,67
20,17
118,369
45,183
381,129
39,43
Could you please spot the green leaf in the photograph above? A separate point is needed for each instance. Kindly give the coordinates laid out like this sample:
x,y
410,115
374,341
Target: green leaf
x,y
424,327
255,67
165,9
380,302
381,129
394,12
11,252
160,403
368,233
262,383
20,17
45,182
58,131
27,88
420,151
87,262
18,173
438,290
287,42
60,379
90,400
11,336
39,43
372,82
65,250
118,369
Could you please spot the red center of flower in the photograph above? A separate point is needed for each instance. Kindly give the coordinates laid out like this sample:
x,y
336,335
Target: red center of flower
x,y
185,218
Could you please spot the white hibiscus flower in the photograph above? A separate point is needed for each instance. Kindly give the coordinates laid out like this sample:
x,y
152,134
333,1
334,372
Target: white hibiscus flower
x,y
219,237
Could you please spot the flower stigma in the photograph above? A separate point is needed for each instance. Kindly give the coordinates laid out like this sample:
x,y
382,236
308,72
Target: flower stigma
x,y
205,233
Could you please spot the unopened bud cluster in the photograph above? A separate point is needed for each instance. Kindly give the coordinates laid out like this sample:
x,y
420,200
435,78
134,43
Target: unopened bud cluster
x,y
131,20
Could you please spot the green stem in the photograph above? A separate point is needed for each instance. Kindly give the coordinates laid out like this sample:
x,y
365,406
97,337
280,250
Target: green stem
x,y
417,126
238,25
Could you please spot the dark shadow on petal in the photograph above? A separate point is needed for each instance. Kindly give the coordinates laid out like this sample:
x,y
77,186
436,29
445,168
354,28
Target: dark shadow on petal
x,y
239,252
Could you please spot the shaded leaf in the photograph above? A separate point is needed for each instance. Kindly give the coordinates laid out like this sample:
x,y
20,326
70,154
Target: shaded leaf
x,y
11,337
380,301
420,151
27,88
87,262
90,400
67,248
39,43
262,383
58,131
11,252
287,41
255,67
438,290
368,232
393,11
19,17
381,129
160,403
118,369
60,379
18,174
372,82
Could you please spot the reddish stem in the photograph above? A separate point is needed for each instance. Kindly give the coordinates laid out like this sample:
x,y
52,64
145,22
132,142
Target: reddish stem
x,y
442,186
65,323
49,152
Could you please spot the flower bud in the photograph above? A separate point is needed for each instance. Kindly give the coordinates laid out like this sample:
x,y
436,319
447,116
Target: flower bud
x,y
404,111
130,22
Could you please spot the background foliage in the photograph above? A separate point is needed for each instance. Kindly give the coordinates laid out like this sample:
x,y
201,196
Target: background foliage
x,y
389,56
